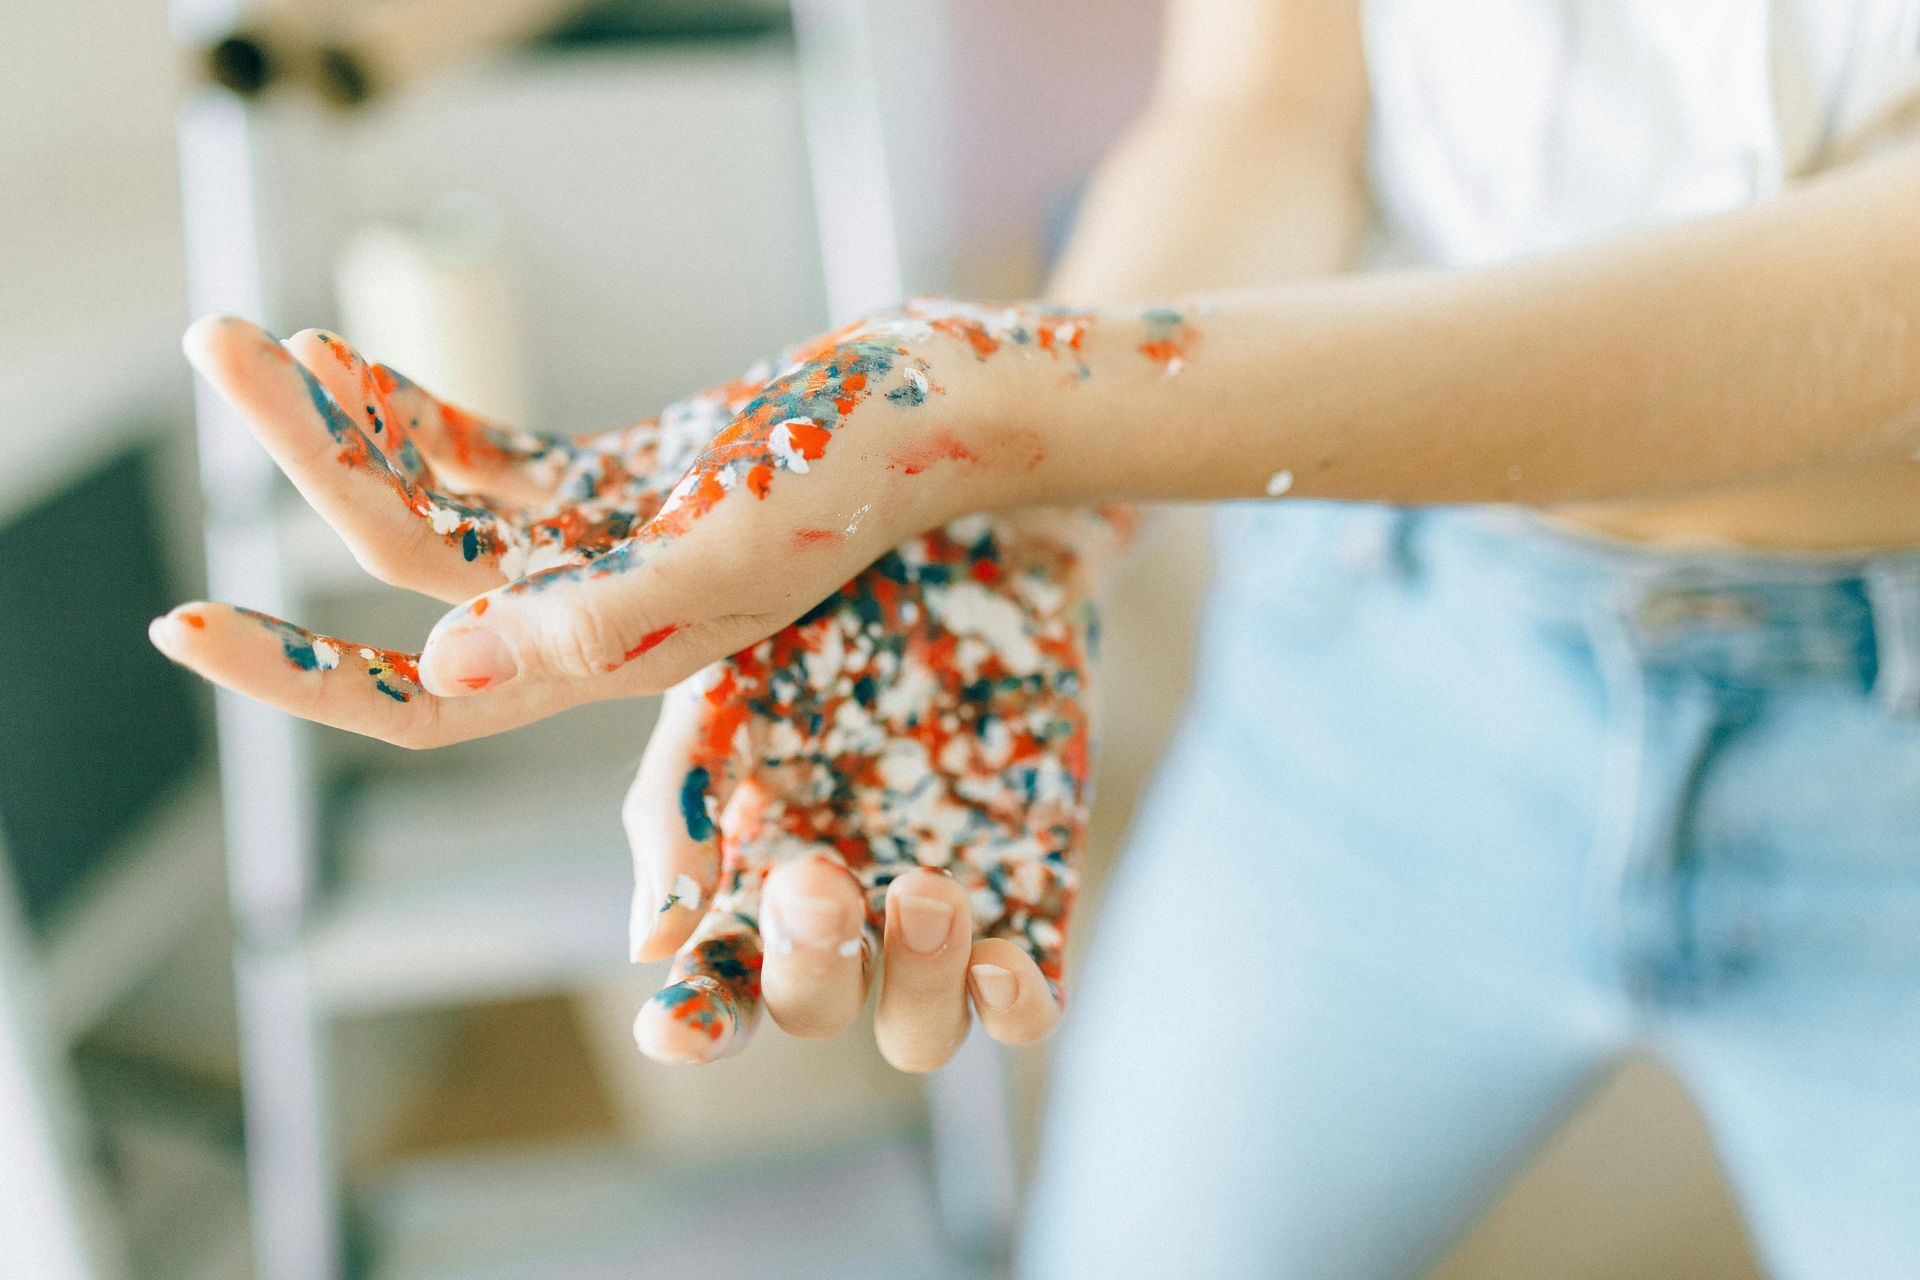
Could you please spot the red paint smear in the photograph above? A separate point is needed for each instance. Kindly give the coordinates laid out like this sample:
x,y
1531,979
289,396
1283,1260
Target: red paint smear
x,y
986,571
194,620
480,606
804,538
944,447
476,683
650,640
759,478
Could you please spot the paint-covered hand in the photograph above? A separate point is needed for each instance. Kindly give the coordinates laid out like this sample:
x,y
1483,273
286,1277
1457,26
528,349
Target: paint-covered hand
x,y
579,574
904,768
983,628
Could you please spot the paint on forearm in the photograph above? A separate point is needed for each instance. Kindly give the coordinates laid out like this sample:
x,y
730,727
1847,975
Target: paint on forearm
x,y
1169,340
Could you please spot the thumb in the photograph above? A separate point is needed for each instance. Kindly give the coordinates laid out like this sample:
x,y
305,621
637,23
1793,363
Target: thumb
x,y
698,583
573,622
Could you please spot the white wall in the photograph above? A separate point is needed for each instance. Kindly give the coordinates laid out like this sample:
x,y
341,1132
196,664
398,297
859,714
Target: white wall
x,y
90,266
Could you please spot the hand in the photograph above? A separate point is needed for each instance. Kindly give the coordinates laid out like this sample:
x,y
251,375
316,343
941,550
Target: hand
x,y
579,578
384,480
904,768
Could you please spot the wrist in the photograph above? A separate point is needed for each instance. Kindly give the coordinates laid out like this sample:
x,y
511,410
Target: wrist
x,y
995,377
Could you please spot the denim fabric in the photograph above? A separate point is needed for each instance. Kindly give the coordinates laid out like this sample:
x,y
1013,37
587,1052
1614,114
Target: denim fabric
x,y
1463,809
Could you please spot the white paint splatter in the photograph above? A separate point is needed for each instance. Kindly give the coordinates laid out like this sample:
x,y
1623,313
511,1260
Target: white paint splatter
x,y
853,523
969,609
781,442
849,949
326,656
1279,483
685,892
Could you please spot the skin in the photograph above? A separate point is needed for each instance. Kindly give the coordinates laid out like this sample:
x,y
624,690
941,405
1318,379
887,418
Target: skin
x,y
1745,378
899,773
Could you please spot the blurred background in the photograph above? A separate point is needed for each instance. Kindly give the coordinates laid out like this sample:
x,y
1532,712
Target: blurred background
x,y
277,1002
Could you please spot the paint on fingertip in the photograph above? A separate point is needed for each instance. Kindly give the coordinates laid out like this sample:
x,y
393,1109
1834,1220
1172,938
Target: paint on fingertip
x,y
1279,483
685,893
693,803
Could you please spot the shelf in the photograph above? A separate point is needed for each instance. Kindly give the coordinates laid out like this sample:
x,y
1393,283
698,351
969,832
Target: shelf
x,y
167,880
599,1213
491,883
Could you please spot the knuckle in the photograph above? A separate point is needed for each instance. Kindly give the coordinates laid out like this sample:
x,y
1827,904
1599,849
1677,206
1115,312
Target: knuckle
x,y
581,642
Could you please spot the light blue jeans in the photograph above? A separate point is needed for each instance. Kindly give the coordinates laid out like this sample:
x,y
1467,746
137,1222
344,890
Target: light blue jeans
x,y
1463,810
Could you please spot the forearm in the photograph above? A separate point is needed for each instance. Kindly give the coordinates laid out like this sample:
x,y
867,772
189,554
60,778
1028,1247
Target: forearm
x,y
1766,342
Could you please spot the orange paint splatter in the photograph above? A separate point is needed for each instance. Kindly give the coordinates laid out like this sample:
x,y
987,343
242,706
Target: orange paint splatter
x,y
809,438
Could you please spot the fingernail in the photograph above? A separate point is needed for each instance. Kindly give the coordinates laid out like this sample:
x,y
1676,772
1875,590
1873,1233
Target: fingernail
x,y
815,922
162,632
993,986
925,923
470,660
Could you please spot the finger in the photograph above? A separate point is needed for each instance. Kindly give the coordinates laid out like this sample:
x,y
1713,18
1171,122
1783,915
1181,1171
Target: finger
x,y
352,384
922,1017
686,777
359,688
819,950
475,454
711,1002
402,532
1013,998
656,612
683,580
441,446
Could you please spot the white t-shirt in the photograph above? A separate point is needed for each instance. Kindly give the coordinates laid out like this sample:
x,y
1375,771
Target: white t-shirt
x,y
1507,127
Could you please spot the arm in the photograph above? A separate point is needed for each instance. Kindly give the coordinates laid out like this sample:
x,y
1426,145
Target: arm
x,y
1244,169
1770,341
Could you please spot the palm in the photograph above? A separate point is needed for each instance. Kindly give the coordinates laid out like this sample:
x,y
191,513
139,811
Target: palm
x,y
929,713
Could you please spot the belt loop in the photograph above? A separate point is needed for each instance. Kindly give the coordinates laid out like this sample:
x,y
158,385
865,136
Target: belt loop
x,y
1400,542
1893,594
